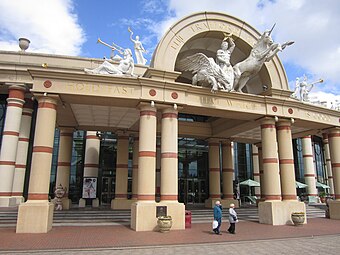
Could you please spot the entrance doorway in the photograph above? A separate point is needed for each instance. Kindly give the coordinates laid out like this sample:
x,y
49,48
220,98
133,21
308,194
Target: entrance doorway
x,y
108,190
192,191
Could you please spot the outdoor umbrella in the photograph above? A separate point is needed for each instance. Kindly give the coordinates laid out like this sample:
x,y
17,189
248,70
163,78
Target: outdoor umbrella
x,y
300,185
250,183
321,185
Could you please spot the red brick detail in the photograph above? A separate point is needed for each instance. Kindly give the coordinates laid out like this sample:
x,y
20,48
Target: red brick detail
x,y
37,196
21,139
227,170
290,111
44,149
47,105
5,194
169,197
274,108
169,155
279,128
91,165
309,175
147,154
27,114
11,133
214,169
169,115
14,105
312,195
122,166
289,197
16,93
64,163
174,95
333,135
286,161
263,126
148,113
335,164
146,197
94,137
134,196
273,197
152,92
47,84
269,160
17,194
20,166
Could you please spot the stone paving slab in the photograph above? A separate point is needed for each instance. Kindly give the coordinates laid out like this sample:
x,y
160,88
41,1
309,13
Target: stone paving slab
x,y
122,237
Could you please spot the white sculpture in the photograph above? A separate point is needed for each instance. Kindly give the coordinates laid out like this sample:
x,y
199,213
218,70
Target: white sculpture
x,y
59,194
207,72
125,67
139,49
263,51
303,88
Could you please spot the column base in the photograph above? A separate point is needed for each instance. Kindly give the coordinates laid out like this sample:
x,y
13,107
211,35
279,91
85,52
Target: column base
x,y
82,202
95,202
35,217
226,203
279,212
143,215
210,202
19,200
7,201
121,203
334,209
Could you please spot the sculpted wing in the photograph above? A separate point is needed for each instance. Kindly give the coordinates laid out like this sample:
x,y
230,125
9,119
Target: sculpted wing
x,y
195,63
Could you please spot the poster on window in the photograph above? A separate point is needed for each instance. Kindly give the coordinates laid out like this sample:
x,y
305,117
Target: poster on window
x,y
89,187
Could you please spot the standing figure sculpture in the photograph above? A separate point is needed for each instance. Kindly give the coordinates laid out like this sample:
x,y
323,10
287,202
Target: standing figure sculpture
x,y
59,194
263,51
305,88
139,49
296,90
223,57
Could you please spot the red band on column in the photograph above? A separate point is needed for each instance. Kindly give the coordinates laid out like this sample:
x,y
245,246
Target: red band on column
x,y
333,135
169,115
169,197
37,196
44,149
11,133
5,194
309,175
20,166
147,154
169,155
146,197
214,169
279,128
122,166
21,139
7,163
289,197
120,195
335,164
91,165
14,105
269,160
286,161
307,156
148,113
267,126
273,197
64,163
17,194
227,170
47,105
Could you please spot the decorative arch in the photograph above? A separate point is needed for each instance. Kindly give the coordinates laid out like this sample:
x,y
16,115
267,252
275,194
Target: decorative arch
x,y
203,32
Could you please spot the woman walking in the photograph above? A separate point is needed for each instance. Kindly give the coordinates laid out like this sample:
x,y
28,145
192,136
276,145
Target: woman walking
x,y
232,219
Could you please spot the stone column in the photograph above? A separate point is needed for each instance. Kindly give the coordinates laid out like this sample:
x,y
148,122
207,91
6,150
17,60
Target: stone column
x,y
309,173
91,162
287,170
143,212
256,170
227,175
64,163
22,152
327,157
272,211
214,173
36,215
121,201
135,168
9,145
334,148
169,168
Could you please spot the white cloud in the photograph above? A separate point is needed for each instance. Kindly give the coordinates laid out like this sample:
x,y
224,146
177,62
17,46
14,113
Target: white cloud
x,y
50,25
312,24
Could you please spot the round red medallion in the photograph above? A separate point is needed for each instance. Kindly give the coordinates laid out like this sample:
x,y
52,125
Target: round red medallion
x,y
274,108
174,95
152,92
290,111
47,84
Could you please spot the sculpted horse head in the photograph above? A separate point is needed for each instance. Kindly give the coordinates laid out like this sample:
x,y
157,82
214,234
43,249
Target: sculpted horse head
x,y
263,51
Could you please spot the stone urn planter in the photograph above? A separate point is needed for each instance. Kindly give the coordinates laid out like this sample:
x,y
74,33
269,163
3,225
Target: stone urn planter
x,y
164,223
298,218
24,43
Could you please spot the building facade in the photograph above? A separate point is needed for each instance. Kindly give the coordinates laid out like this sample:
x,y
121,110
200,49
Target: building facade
x,y
153,140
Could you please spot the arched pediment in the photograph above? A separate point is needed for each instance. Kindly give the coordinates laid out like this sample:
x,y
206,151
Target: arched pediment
x,y
203,32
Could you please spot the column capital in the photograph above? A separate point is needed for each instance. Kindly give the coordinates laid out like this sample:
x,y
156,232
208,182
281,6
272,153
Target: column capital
x,y
213,141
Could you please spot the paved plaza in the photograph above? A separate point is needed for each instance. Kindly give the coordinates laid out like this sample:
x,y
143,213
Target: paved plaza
x,y
319,236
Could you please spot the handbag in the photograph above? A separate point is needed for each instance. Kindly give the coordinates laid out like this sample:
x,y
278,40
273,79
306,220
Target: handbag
x,y
215,224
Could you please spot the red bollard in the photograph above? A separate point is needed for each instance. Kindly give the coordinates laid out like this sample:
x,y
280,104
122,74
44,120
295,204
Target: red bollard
x,y
187,219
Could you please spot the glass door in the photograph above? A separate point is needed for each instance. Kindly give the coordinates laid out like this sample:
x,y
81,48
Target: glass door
x,y
108,190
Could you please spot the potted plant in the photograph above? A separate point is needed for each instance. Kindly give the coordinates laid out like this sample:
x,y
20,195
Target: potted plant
x,y
298,218
164,223
322,196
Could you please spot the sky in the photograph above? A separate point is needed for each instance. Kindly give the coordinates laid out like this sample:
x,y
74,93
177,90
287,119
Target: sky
x,y
72,27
